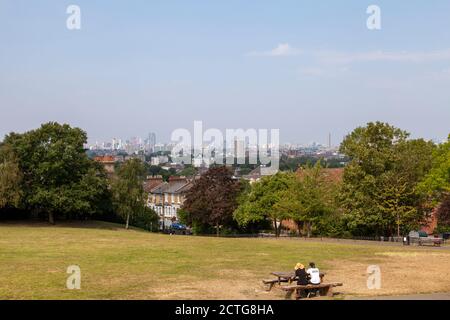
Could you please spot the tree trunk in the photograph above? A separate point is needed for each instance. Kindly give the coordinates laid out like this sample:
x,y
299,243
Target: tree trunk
x,y
51,218
309,229
276,228
217,230
299,228
128,221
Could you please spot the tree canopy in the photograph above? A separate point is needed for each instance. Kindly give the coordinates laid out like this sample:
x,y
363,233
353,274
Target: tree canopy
x,y
213,198
310,197
436,183
10,178
379,188
261,201
128,190
57,176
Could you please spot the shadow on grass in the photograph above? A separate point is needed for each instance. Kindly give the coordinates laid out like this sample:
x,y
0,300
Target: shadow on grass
x,y
77,224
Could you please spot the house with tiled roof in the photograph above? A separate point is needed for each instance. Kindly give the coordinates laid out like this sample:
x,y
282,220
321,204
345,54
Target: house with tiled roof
x,y
152,182
108,163
166,198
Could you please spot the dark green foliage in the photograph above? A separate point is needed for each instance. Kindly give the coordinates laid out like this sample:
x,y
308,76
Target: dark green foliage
x,y
58,178
10,178
146,219
379,191
436,184
293,164
260,202
188,171
159,171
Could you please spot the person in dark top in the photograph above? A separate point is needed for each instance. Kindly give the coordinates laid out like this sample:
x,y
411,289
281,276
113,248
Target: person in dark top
x,y
300,273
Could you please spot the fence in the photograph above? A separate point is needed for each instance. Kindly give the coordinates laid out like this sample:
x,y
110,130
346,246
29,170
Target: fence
x,y
296,237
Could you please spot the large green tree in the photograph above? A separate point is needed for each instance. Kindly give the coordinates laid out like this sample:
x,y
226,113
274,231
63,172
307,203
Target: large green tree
x,y
379,188
262,201
213,198
309,198
128,190
10,178
435,186
58,177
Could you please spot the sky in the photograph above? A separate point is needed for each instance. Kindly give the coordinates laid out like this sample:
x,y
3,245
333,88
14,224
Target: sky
x,y
308,68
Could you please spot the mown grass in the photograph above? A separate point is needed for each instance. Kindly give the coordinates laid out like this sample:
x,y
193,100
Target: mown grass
x,y
120,264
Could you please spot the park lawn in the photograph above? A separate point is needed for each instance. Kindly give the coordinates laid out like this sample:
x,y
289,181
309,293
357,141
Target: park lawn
x,y
120,264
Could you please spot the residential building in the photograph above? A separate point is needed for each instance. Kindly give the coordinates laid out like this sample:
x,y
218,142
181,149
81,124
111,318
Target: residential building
x,y
166,198
156,161
108,163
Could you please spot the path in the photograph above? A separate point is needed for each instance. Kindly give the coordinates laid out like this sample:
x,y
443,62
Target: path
x,y
431,296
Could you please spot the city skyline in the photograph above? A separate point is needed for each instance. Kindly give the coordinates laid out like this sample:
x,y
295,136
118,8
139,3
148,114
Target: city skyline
x,y
121,143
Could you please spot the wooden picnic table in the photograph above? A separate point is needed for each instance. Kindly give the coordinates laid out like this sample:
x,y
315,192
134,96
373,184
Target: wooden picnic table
x,y
323,289
288,277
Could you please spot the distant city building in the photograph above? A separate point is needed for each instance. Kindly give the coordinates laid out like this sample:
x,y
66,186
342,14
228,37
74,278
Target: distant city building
x,y
151,141
156,161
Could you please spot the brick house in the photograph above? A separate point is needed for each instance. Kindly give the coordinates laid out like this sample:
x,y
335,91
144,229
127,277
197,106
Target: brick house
x,y
166,198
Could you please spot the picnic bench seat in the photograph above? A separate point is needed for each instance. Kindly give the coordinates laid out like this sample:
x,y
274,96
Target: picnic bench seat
x,y
271,282
325,289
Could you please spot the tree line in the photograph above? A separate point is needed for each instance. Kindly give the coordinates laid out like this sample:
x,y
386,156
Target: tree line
x,y
390,186
46,173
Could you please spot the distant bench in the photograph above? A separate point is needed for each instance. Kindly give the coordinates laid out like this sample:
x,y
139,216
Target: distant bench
x,y
325,289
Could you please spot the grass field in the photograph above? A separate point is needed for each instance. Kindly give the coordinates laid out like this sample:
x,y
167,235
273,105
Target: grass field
x,y
120,264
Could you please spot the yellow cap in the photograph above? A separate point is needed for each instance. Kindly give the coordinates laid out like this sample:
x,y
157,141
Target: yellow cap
x,y
299,266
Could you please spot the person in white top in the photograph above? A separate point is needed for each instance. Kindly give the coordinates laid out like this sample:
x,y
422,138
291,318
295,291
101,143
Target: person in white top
x,y
314,274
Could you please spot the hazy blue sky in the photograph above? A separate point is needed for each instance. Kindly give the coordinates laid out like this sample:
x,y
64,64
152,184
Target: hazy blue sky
x,y
305,67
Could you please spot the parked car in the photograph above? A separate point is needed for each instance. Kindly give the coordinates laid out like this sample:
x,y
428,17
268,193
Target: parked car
x,y
178,228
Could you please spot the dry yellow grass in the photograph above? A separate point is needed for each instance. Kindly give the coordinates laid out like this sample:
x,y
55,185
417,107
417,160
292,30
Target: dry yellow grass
x,y
120,264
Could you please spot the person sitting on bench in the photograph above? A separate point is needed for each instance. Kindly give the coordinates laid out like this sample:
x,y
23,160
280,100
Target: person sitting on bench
x,y
300,273
313,273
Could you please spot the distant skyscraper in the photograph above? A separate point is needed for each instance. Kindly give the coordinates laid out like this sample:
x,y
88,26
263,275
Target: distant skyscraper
x,y
239,150
152,139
